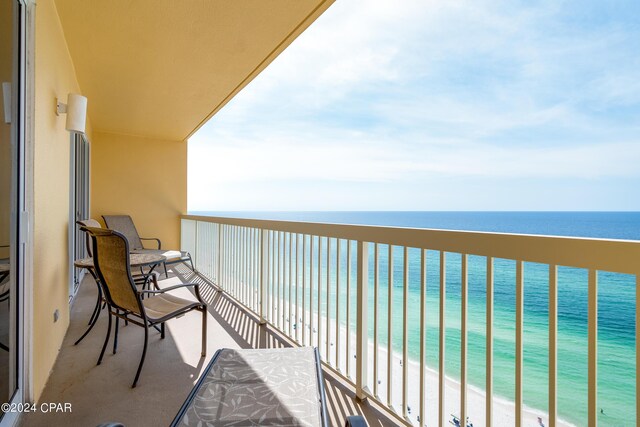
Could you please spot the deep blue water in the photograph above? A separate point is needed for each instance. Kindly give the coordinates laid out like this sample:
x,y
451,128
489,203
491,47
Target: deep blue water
x,y
611,225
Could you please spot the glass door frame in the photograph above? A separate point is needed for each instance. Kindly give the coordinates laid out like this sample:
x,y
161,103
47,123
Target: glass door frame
x,y
21,240
79,207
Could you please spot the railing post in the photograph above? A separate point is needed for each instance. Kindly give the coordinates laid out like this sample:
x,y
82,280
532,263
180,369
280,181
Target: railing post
x,y
195,245
263,276
219,258
362,327
592,321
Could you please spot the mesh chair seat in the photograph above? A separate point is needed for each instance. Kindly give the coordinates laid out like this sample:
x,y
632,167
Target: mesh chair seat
x,y
160,306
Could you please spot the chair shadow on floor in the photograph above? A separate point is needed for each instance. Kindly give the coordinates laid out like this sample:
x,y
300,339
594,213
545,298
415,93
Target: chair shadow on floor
x,y
246,331
101,393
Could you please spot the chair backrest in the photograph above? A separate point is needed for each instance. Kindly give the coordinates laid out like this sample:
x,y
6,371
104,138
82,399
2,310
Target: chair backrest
x,y
111,261
89,223
124,224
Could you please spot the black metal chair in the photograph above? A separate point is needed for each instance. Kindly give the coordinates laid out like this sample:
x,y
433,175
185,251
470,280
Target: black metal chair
x,y
142,278
124,300
124,224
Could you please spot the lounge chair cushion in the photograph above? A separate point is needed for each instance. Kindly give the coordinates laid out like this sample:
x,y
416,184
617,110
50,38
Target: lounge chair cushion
x,y
258,387
171,256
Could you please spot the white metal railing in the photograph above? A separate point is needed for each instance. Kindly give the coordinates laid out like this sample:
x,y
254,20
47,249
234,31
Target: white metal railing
x,y
320,284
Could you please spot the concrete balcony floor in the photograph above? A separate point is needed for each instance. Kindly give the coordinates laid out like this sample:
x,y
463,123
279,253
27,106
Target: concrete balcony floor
x,y
103,393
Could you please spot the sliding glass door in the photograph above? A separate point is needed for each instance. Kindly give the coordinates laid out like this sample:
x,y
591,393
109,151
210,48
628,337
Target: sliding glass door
x,y
12,18
79,205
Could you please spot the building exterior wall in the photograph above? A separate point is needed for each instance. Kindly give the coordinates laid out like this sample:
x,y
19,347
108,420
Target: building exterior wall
x,y
142,177
55,77
145,177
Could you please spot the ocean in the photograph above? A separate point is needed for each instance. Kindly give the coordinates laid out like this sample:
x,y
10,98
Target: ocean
x,y
616,305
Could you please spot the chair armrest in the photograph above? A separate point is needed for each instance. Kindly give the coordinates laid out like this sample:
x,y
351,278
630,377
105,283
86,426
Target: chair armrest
x,y
355,421
170,288
153,238
196,287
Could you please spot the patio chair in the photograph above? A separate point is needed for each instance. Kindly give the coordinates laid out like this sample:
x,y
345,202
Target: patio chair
x,y
145,279
141,278
124,300
91,223
124,224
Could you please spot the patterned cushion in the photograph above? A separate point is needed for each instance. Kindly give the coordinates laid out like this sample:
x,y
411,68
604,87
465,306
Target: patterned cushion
x,y
171,256
256,388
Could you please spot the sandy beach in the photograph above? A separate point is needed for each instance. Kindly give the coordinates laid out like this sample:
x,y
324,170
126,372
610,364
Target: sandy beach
x,y
503,409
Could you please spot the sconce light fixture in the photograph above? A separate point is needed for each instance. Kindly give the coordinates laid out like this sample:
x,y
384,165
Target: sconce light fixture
x,y
76,111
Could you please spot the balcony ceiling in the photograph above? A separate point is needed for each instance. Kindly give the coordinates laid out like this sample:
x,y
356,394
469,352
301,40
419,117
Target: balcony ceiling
x,y
161,68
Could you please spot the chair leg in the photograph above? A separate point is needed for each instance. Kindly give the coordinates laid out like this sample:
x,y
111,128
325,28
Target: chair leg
x,y
191,262
162,330
144,353
115,336
204,333
91,325
106,340
164,264
94,317
96,309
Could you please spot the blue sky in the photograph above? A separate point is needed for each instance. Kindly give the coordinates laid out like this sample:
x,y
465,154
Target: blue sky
x,y
436,105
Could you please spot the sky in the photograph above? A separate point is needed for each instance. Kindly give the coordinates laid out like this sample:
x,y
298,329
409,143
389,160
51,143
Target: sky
x,y
435,105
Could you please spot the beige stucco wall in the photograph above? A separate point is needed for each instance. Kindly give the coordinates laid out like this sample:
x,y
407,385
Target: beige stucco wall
x,y
145,178
142,177
54,78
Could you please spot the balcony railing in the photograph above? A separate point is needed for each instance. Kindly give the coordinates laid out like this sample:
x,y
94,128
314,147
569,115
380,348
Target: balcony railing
x,y
346,290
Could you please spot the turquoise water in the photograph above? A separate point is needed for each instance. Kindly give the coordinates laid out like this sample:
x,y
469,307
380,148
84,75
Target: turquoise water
x,y
616,339
616,302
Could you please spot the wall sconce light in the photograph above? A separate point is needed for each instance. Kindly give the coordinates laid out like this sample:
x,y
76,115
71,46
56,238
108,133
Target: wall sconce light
x,y
76,111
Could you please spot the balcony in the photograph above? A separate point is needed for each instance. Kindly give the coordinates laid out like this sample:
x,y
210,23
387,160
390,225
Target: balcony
x,y
277,283
418,324
327,285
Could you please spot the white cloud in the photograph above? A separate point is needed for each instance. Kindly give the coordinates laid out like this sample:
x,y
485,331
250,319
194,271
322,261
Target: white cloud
x,y
388,96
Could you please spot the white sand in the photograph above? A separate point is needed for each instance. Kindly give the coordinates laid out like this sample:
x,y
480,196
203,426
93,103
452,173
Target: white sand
x,y
503,409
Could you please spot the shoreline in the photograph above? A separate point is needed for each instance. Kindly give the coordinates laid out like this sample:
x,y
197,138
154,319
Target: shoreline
x,y
503,408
